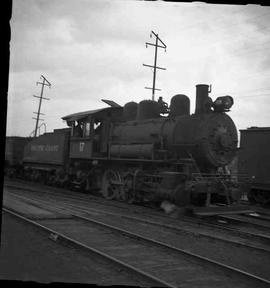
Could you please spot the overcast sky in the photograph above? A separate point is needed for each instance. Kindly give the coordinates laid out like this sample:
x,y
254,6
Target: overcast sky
x,y
91,50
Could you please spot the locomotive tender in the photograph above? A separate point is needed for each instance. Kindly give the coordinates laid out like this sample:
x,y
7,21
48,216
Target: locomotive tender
x,y
14,151
144,152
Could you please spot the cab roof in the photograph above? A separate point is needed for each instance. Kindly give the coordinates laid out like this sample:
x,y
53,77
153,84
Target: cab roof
x,y
100,113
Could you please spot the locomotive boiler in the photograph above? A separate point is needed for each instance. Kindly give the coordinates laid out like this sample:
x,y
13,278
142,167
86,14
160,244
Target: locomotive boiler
x,y
210,137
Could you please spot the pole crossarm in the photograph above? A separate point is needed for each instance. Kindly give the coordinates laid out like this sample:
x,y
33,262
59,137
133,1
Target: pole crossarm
x,y
44,84
151,88
39,113
158,44
147,43
45,81
154,67
164,45
41,97
39,119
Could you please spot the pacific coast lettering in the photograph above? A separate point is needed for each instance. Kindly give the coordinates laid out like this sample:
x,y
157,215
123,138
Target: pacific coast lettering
x,y
45,148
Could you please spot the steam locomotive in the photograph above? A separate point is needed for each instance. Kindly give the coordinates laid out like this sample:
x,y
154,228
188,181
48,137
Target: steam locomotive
x,y
145,151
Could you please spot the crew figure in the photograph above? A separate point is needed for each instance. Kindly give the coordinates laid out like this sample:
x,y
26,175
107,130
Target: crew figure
x,y
163,106
78,131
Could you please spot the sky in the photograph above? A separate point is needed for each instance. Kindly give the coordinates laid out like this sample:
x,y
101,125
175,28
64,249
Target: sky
x,y
94,49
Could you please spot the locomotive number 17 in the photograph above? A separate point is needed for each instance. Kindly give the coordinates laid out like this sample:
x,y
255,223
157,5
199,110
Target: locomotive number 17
x,y
82,146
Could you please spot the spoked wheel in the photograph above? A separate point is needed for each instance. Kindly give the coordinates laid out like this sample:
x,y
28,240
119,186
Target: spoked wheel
x,y
138,184
261,197
128,192
110,187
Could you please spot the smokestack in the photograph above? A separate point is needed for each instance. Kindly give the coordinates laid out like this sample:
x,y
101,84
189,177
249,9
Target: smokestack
x,y
202,91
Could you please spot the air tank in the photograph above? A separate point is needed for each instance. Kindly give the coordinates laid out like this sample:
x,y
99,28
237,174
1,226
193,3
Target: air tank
x,y
180,105
130,111
148,109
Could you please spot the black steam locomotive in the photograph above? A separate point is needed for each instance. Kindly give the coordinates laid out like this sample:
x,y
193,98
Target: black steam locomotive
x,y
143,152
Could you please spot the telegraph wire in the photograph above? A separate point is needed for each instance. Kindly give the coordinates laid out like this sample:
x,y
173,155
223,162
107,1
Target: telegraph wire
x,y
254,75
253,96
251,48
221,20
252,90
243,95
227,28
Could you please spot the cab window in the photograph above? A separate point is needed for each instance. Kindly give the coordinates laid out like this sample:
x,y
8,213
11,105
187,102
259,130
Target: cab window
x,y
86,131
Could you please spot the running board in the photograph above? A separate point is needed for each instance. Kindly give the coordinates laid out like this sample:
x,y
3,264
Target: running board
x,y
220,210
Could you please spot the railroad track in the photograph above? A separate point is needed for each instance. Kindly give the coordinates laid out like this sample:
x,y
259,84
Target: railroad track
x,y
251,219
159,264
246,236
246,224
257,238
56,235
100,221
256,242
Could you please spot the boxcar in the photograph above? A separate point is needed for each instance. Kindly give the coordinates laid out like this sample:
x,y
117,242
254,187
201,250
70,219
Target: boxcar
x,y
254,160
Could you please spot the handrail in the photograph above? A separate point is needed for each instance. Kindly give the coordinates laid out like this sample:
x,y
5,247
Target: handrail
x,y
33,132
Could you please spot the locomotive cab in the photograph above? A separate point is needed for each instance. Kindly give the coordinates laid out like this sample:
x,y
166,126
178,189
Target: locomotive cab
x,y
90,132
88,129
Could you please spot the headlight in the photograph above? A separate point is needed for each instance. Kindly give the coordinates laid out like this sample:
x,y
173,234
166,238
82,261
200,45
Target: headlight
x,y
223,104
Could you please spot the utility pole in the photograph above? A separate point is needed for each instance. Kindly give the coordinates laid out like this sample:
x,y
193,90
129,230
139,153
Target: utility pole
x,y
156,45
43,83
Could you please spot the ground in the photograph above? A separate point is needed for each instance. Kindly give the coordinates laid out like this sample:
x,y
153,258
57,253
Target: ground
x,y
27,254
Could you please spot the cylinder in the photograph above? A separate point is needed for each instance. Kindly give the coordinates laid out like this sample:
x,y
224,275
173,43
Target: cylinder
x,y
180,105
201,98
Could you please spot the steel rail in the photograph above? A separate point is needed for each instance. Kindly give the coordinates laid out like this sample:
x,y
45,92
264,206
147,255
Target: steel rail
x,y
246,219
260,216
223,227
91,249
162,244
